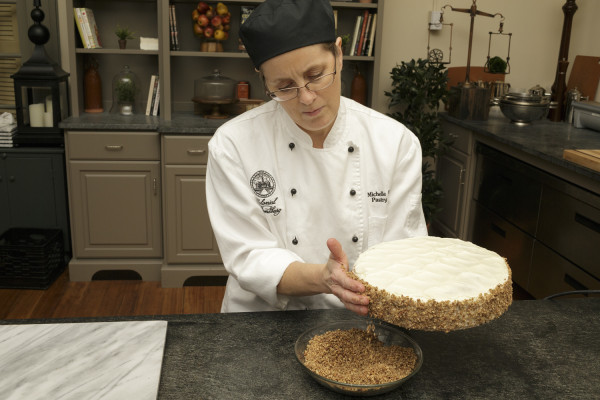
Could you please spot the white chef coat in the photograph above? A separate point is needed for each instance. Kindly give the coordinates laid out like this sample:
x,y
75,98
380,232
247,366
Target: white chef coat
x,y
274,199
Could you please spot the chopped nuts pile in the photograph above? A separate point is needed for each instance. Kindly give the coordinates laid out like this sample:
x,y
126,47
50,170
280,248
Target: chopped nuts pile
x,y
357,357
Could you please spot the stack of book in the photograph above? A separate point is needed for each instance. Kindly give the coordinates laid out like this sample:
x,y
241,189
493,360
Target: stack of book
x,y
88,30
363,39
153,103
174,40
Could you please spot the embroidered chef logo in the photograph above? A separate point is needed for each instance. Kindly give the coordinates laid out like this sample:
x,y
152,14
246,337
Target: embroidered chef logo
x,y
263,185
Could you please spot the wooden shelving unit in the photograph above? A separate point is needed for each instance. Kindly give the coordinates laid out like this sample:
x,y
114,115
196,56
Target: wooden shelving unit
x,y
179,69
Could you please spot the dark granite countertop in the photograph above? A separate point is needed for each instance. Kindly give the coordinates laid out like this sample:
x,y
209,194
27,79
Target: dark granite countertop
x,y
543,139
111,122
539,349
181,124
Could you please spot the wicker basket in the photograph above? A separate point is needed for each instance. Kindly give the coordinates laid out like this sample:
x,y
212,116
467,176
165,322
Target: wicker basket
x,y
30,258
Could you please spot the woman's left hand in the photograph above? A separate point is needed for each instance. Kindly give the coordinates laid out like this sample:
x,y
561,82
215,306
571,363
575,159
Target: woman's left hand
x,y
340,284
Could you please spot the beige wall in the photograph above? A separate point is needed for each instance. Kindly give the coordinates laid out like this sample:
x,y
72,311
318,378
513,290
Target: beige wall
x,y
536,27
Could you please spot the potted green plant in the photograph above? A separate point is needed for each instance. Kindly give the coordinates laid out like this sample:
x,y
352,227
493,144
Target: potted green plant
x,y
345,41
126,90
123,34
418,87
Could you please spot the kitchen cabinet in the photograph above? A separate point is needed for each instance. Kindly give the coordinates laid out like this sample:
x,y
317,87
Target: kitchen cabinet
x,y
523,200
178,69
33,191
547,229
454,170
115,202
190,245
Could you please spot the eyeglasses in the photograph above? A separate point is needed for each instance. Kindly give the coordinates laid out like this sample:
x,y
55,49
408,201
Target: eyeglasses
x,y
314,85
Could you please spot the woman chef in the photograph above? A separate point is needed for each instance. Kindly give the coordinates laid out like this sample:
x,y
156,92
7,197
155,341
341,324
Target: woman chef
x,y
299,187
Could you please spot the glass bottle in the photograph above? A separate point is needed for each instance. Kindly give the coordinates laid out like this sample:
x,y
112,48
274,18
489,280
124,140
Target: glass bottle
x,y
92,87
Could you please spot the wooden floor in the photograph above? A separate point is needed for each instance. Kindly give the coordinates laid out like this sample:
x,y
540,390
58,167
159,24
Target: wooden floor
x,y
110,297
101,298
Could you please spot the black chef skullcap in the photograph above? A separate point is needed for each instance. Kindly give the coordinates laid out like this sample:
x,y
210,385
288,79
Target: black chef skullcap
x,y
278,26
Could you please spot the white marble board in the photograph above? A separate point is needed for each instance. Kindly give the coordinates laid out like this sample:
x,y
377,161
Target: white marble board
x,y
99,360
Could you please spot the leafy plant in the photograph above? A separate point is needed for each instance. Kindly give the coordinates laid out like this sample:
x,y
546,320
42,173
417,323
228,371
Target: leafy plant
x,y
345,39
124,33
497,65
418,87
126,91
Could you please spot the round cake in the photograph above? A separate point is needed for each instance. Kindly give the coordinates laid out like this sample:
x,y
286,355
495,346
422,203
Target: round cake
x,y
434,284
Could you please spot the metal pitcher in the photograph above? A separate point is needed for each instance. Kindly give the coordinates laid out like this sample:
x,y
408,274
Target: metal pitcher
x,y
499,89
572,96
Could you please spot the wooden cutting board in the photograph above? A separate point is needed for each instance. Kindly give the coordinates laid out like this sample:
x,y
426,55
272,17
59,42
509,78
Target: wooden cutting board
x,y
587,158
585,75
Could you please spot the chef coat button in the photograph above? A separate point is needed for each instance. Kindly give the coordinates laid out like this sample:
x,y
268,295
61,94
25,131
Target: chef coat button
x,y
293,191
352,192
295,241
350,149
292,145
354,238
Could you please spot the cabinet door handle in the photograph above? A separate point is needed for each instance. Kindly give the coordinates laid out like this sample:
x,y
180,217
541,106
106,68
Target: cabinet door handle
x,y
498,230
114,147
461,177
569,280
154,185
588,223
196,152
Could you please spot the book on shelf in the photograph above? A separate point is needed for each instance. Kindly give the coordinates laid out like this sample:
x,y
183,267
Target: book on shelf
x,y
357,25
365,41
363,29
171,29
156,104
174,36
151,92
147,43
91,28
81,28
335,19
371,43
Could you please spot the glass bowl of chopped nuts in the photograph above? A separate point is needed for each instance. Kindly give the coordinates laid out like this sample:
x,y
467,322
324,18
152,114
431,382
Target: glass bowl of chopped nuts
x,y
359,357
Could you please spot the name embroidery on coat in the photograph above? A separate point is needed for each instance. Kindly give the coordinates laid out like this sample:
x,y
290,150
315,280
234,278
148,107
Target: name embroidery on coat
x,y
378,196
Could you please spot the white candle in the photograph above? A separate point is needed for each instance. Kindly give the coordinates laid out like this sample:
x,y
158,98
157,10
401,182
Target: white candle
x,y
36,115
48,119
49,104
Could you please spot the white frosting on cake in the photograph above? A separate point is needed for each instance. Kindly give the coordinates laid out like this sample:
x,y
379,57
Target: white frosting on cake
x,y
432,268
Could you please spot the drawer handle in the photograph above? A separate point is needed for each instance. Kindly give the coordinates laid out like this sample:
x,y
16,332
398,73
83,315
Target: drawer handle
x,y
569,280
498,230
588,223
114,147
196,152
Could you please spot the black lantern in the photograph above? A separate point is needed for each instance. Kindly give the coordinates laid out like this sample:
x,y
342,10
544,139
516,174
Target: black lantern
x,y
41,93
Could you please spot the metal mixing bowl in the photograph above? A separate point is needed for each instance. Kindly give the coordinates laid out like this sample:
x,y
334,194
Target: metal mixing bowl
x,y
386,333
522,113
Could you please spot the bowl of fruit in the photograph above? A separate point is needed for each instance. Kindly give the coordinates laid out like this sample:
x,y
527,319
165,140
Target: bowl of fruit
x,y
211,23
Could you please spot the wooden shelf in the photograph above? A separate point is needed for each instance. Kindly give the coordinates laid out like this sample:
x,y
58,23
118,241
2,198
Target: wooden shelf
x,y
116,51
